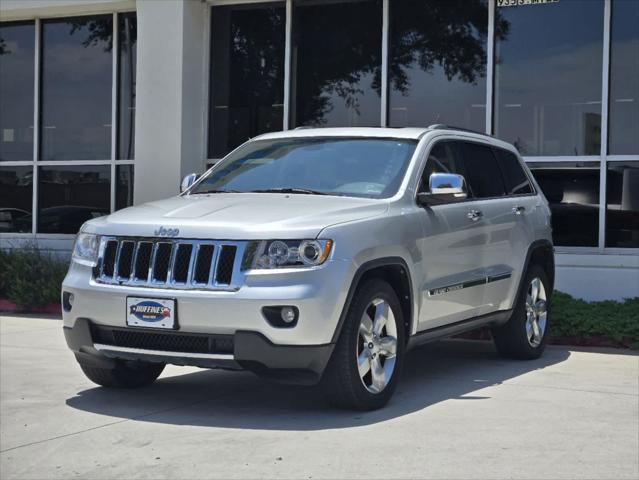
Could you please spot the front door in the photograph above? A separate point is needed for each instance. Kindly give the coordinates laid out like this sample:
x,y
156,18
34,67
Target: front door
x,y
452,248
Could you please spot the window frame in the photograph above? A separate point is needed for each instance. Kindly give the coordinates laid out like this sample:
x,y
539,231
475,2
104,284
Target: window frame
x,y
35,163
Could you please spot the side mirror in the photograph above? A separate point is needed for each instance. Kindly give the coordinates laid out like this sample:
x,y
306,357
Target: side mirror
x,y
188,181
444,188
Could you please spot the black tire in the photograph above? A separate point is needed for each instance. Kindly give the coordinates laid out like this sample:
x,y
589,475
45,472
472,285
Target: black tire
x,y
124,374
341,382
512,339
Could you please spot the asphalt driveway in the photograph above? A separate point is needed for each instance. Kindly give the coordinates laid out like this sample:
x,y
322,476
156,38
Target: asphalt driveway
x,y
459,412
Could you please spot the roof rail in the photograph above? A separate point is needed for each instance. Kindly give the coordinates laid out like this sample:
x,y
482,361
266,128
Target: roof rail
x,y
303,127
443,126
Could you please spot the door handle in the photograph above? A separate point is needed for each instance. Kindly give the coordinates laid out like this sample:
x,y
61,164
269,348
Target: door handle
x,y
518,210
474,215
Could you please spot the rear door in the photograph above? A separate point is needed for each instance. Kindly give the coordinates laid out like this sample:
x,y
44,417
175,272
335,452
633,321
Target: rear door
x,y
496,222
520,206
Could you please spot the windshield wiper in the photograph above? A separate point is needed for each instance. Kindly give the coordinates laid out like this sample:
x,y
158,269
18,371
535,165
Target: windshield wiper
x,y
304,191
214,190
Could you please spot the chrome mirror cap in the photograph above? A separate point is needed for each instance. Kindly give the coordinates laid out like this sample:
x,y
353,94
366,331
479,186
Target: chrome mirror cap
x,y
448,184
443,188
187,181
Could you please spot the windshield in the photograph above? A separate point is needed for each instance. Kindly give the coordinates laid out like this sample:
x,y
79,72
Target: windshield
x,y
357,167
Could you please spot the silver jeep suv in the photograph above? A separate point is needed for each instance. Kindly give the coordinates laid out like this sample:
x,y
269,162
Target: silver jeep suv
x,y
318,255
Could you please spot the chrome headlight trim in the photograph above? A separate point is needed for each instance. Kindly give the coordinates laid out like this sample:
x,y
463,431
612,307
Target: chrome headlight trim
x,y
85,249
277,254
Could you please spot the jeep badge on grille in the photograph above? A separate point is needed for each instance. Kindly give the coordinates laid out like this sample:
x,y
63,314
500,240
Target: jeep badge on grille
x,y
167,232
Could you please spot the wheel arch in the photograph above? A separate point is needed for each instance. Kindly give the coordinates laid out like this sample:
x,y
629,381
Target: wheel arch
x,y
541,253
393,270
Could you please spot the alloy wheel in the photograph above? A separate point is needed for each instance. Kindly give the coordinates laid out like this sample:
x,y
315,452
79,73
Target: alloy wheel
x,y
377,346
536,312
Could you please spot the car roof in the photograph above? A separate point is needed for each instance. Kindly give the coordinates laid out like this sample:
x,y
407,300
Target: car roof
x,y
413,133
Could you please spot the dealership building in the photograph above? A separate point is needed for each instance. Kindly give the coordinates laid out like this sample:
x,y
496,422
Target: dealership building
x,y
109,103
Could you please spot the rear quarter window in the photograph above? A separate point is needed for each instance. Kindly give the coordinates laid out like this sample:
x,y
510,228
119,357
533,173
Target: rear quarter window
x,y
515,179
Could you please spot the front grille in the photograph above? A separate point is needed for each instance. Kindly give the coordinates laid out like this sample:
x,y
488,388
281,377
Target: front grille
x,y
163,341
161,263
225,265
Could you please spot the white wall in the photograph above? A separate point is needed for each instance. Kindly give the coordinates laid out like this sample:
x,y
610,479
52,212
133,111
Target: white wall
x,y
169,140
598,276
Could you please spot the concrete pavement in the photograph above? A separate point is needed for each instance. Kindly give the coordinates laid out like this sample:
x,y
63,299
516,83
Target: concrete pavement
x,y
459,412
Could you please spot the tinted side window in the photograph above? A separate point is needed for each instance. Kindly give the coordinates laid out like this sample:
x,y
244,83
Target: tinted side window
x,y
482,171
443,158
517,182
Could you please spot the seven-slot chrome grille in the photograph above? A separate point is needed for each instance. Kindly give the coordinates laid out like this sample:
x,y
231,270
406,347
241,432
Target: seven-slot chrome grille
x,y
170,263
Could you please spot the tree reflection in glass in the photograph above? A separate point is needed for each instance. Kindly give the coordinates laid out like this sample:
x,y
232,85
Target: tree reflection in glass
x,y
76,88
247,74
336,63
437,65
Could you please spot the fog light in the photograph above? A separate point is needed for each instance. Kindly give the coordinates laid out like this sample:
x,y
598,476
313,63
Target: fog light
x,y
67,301
283,316
288,315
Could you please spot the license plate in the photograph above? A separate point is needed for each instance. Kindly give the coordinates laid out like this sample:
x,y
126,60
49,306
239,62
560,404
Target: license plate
x,y
150,312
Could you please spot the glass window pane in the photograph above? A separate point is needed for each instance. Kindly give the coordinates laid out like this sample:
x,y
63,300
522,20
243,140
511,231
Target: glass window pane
x,y
517,182
624,79
336,63
17,57
247,74
622,205
572,189
482,171
76,88
16,199
437,66
68,196
548,77
123,186
127,31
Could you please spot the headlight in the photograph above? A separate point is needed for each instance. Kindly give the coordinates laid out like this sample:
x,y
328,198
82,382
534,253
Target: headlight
x,y
286,253
85,250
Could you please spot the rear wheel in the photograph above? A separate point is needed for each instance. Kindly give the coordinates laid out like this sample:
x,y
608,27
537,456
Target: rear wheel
x,y
364,369
124,374
524,336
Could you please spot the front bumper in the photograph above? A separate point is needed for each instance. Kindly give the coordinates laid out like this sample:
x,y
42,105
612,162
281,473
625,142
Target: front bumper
x,y
298,354
299,364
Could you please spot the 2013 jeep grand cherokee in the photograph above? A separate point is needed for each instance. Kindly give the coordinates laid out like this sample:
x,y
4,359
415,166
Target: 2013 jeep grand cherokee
x,y
318,255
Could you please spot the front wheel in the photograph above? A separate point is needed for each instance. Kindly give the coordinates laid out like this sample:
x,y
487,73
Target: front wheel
x,y
364,369
524,336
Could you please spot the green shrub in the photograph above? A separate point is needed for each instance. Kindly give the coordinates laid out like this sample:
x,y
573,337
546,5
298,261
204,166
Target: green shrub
x,y
617,321
31,278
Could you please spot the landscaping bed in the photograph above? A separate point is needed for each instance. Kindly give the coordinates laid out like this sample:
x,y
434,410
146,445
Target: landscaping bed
x,y
603,323
587,324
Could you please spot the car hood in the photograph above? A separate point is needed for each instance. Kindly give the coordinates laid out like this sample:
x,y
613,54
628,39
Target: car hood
x,y
238,216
